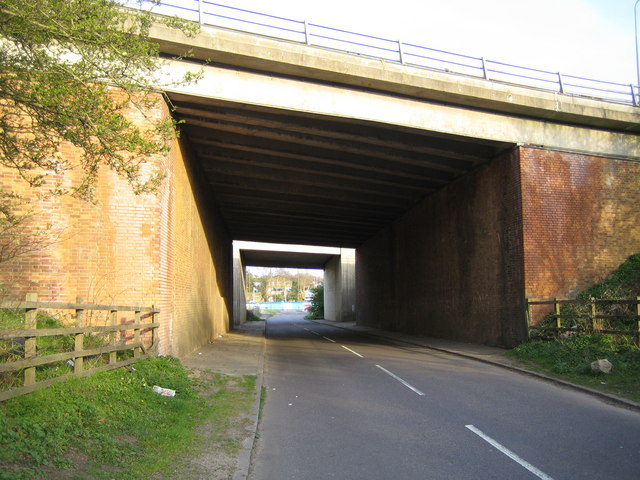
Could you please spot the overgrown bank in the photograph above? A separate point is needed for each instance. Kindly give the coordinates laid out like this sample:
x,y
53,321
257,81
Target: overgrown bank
x,y
569,356
113,425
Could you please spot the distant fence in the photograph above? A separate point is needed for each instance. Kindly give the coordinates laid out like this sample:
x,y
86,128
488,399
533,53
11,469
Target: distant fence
x,y
588,316
215,14
279,306
124,336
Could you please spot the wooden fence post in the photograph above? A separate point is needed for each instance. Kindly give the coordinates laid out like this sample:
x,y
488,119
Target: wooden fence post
x,y
79,343
30,345
528,316
153,330
638,319
136,334
592,310
556,311
113,356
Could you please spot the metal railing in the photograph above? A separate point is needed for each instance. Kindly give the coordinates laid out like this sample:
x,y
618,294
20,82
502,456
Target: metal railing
x,y
209,13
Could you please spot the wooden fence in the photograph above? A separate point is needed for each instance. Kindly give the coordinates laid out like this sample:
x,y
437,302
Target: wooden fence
x,y
29,334
590,321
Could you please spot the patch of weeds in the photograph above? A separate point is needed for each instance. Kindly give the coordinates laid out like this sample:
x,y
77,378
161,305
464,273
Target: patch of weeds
x,y
570,358
252,317
112,425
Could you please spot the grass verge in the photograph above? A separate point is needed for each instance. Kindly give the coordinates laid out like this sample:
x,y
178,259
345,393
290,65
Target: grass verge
x,y
570,359
112,425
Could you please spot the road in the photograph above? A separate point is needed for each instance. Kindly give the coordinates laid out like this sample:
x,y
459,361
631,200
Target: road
x,y
344,406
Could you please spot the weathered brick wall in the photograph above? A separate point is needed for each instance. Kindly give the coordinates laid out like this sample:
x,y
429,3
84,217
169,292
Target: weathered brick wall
x,y
104,252
200,256
169,249
452,266
458,265
581,219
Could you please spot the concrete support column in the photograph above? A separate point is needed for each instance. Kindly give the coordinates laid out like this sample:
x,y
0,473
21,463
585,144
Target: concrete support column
x,y
239,297
339,287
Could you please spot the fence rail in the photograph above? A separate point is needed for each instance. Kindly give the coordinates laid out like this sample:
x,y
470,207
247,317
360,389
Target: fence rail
x,y
118,342
210,13
589,321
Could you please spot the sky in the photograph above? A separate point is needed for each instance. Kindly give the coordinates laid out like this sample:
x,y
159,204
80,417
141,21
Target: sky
x,y
590,38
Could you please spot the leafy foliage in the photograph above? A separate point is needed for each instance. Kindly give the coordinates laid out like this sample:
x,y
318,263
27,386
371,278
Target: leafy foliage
x,y
621,284
570,355
74,73
258,289
624,282
316,310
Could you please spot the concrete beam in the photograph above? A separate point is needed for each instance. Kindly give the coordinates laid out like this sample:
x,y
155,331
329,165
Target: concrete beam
x,y
243,87
283,58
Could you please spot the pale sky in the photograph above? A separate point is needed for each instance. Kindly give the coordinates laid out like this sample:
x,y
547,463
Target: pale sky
x,y
591,38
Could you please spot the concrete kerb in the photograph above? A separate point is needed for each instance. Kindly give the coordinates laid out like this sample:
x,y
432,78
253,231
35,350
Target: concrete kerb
x,y
416,341
243,464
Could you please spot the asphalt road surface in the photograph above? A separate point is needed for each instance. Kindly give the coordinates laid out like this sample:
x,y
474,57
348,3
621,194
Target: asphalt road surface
x,y
344,406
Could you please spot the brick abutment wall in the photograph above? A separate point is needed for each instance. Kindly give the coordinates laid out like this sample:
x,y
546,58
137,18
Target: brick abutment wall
x,y
580,220
452,266
153,249
531,224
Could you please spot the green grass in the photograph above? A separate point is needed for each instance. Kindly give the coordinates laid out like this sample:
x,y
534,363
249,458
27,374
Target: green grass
x,y
252,317
12,350
621,284
112,425
570,359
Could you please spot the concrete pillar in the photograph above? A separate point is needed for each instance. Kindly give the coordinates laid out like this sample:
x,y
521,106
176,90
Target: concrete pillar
x,y
239,297
331,289
339,287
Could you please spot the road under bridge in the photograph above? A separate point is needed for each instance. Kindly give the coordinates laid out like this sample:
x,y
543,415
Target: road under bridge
x,y
460,196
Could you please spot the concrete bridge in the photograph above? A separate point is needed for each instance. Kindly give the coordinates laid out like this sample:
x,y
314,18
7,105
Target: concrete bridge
x,y
461,196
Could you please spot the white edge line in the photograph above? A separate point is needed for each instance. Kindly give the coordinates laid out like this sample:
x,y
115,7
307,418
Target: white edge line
x,y
327,338
352,351
509,453
409,386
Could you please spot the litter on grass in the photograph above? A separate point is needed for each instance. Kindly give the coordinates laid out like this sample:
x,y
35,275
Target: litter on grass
x,y
165,392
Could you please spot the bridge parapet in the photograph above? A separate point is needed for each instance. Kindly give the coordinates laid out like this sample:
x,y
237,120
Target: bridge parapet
x,y
479,83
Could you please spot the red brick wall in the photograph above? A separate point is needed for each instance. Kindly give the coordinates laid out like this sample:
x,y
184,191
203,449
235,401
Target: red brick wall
x,y
452,266
150,249
581,219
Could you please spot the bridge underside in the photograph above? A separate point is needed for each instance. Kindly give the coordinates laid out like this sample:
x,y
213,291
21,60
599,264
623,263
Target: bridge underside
x,y
290,177
262,258
449,188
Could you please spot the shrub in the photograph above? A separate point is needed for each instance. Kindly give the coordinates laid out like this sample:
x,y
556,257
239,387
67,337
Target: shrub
x,y
316,310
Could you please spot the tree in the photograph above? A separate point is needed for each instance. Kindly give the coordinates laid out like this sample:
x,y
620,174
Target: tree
x,y
69,69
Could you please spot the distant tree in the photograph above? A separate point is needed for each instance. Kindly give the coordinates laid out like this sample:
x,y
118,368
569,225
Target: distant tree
x,y
68,71
301,283
257,284
296,293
